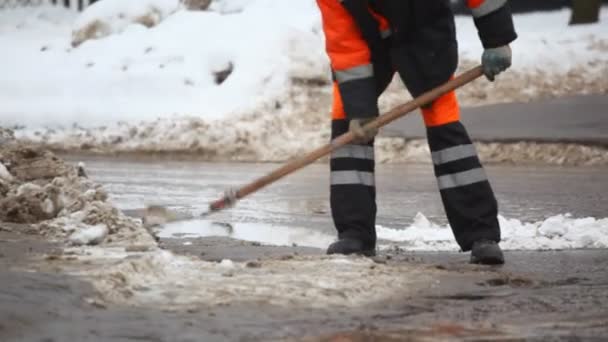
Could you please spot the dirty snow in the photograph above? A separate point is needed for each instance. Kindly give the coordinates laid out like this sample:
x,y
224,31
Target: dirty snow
x,y
107,17
59,203
163,279
556,232
400,150
155,89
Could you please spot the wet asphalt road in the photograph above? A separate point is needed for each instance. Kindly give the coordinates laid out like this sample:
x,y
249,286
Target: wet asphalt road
x,y
577,119
527,193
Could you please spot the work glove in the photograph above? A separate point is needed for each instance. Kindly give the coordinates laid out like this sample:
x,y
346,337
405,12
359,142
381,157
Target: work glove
x,y
495,61
362,135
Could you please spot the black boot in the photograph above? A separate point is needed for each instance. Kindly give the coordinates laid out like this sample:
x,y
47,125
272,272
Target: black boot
x,y
350,246
486,252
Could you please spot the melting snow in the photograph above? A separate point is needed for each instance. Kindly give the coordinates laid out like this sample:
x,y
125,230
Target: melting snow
x,y
556,232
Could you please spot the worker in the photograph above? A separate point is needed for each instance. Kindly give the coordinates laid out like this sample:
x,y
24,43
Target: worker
x,y
367,41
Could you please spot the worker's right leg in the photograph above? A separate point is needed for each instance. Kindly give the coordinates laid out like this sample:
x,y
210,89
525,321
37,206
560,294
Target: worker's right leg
x,y
352,189
352,195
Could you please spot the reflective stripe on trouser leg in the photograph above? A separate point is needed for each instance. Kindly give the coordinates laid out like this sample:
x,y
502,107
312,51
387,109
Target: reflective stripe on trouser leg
x,y
466,193
357,90
352,190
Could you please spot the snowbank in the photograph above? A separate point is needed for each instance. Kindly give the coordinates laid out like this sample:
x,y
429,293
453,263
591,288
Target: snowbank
x,y
157,89
557,232
161,72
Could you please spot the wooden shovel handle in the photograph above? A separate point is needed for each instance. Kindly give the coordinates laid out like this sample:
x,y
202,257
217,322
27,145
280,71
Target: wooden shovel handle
x,y
347,138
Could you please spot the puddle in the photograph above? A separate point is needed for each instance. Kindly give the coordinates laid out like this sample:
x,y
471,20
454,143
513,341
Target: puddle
x,y
255,232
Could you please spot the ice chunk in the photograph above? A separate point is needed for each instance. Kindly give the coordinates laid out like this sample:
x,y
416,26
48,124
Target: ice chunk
x,y
4,174
92,235
226,263
28,188
47,206
555,226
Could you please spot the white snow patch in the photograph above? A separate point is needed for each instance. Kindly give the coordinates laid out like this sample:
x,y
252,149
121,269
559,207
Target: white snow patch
x,y
161,72
92,235
556,232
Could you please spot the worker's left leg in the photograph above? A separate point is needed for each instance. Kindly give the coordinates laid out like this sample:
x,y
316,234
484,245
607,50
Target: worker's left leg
x,y
425,54
466,193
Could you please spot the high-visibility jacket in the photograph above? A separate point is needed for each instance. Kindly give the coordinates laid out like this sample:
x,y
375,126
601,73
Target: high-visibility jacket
x,y
364,38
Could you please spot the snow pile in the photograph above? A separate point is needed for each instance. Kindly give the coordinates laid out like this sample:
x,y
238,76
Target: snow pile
x,y
184,85
166,280
557,232
279,137
58,201
107,17
254,137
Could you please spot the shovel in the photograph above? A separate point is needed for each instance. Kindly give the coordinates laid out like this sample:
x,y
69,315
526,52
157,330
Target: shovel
x,y
159,215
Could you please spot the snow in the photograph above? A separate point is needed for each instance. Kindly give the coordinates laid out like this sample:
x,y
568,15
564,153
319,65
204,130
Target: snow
x,y
145,74
556,232
166,71
545,41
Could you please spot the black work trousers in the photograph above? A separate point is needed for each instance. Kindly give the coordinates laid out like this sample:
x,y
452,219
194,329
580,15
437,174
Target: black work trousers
x,y
423,50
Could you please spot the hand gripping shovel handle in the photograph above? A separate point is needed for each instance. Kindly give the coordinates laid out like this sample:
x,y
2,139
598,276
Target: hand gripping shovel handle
x,y
231,196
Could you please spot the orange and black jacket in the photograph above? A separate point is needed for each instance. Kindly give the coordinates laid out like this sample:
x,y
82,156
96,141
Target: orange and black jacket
x,y
364,38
